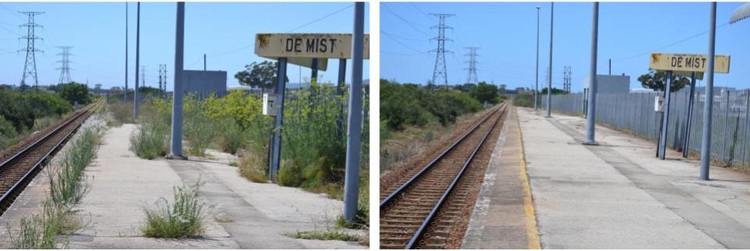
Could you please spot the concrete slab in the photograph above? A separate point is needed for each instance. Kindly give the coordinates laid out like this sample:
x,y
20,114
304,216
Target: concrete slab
x,y
241,214
503,215
617,195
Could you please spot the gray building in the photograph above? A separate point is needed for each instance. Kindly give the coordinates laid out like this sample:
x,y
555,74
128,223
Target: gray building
x,y
205,83
610,83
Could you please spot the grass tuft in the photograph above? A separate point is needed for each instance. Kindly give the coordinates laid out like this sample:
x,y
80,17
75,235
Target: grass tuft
x,y
181,219
149,140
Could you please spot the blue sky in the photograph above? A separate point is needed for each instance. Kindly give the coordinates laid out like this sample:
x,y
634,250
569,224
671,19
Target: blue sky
x,y
224,31
506,33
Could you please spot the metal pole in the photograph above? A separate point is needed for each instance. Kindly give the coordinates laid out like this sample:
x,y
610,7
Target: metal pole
x,y
549,75
707,107
665,121
280,92
686,148
342,77
536,86
354,131
125,98
590,122
137,59
314,73
176,146
726,125
747,125
610,66
204,61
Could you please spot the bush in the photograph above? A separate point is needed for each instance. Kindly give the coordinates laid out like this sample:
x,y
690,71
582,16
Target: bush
x,y
289,174
181,219
121,112
524,99
232,136
149,140
199,132
254,166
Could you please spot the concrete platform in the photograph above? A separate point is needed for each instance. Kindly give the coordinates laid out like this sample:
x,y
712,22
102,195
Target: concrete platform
x,y
241,214
618,195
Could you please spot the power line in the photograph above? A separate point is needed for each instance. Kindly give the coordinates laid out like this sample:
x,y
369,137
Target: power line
x,y
388,9
403,44
669,45
11,11
402,38
420,10
321,18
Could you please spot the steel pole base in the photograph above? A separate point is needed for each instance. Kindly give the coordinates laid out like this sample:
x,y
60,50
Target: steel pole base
x,y
590,143
176,157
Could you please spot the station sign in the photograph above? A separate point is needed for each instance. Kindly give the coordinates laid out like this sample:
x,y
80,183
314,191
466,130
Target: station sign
x,y
307,45
686,63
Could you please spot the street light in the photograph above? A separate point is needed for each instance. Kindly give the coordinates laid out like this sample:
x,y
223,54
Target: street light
x,y
549,77
536,86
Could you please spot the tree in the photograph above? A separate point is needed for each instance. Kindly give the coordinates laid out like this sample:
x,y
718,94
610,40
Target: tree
x,y
655,80
74,93
555,91
484,92
259,75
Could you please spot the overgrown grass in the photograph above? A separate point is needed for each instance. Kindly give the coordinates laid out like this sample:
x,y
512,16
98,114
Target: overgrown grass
x,y
199,131
181,219
66,189
325,235
122,112
232,136
149,140
254,166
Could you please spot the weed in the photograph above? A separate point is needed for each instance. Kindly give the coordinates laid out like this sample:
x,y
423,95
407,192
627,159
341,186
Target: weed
x,y
181,219
253,166
323,235
122,112
149,140
232,136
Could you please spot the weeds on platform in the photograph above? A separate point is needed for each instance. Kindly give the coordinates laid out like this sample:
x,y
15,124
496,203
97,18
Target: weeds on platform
x,y
325,235
37,232
181,219
198,129
122,112
149,140
65,186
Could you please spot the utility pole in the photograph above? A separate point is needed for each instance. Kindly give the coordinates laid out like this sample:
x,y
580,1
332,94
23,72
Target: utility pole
x,y
175,148
440,70
354,131
708,105
472,78
549,75
65,68
29,68
137,59
143,76
536,75
125,97
591,114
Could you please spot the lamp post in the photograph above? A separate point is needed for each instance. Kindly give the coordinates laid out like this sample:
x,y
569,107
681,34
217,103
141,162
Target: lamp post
x,y
536,86
549,76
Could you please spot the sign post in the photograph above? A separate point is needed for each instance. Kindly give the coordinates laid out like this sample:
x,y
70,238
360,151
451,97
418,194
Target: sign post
x,y
695,64
354,131
304,49
686,147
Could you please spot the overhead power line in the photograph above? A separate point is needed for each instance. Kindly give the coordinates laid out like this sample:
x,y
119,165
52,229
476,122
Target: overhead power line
x,y
669,45
321,18
389,10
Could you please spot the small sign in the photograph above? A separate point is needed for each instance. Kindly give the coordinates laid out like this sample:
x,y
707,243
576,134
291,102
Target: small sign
x,y
307,45
687,62
265,103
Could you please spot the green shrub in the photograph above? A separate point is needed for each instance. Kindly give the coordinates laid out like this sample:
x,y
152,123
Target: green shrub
x,y
289,174
181,219
524,99
122,112
200,133
254,166
149,140
232,136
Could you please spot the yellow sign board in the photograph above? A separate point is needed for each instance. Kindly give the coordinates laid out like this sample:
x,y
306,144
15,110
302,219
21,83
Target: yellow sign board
x,y
307,45
687,62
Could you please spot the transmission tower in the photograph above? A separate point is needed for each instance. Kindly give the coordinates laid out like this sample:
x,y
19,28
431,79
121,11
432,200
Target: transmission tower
x,y
567,78
29,68
162,77
472,78
440,70
65,68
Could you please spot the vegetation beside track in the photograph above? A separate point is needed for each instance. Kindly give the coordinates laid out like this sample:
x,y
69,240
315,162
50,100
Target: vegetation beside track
x,y
413,116
181,219
67,188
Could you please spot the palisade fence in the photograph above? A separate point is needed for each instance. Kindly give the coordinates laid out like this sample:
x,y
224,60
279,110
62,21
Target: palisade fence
x,y
634,113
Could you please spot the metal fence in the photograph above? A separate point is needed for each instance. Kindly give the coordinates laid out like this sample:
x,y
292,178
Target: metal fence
x,y
634,113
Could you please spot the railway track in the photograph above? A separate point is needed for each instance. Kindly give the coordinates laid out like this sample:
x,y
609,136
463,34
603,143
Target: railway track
x,y
425,210
20,165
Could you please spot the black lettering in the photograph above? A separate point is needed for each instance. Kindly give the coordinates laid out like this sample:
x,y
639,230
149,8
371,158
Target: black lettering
x,y
289,44
297,43
703,62
679,62
310,45
333,45
689,62
323,45
674,61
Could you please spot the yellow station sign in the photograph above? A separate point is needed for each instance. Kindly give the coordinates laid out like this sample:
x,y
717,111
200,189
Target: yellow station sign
x,y
687,62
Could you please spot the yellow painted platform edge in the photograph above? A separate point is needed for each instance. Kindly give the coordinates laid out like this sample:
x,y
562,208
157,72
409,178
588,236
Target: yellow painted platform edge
x,y
528,202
